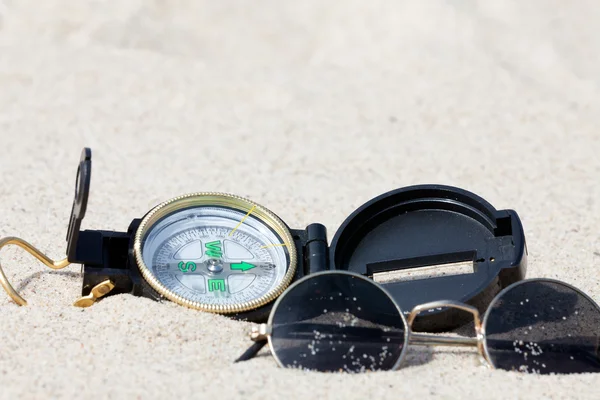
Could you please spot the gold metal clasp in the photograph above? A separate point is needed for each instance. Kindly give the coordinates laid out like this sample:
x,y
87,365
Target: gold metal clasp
x,y
34,252
101,289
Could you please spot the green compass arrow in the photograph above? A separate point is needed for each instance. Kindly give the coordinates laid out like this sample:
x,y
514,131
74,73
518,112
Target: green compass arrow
x,y
243,266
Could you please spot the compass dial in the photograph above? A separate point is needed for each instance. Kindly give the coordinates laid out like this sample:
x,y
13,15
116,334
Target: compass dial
x,y
215,252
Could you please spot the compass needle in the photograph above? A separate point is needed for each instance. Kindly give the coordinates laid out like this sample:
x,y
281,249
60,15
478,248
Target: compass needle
x,y
242,221
273,245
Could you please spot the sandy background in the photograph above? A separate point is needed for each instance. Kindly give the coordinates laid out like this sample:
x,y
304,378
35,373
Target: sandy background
x,y
309,108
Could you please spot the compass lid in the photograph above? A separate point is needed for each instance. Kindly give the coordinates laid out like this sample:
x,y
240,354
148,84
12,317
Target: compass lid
x,y
433,242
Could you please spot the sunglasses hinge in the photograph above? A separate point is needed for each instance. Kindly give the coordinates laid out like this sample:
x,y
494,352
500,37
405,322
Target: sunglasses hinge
x,y
260,333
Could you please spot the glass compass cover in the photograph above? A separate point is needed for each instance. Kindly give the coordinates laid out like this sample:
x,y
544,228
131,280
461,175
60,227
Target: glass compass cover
x,y
206,255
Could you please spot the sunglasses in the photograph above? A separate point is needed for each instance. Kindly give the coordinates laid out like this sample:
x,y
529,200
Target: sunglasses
x,y
338,321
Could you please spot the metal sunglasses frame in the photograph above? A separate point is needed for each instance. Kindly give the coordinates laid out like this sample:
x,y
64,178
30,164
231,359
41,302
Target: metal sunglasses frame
x,y
261,334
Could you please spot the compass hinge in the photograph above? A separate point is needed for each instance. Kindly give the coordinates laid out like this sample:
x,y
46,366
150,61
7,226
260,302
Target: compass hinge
x,y
102,248
104,255
315,249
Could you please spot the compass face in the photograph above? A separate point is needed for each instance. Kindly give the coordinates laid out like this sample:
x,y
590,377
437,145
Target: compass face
x,y
217,258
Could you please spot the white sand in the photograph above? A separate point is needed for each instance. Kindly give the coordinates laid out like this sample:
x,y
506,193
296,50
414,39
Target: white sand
x,y
310,109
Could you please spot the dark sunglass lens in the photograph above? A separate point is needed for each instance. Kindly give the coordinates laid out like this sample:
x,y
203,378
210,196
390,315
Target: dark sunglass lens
x,y
337,322
543,327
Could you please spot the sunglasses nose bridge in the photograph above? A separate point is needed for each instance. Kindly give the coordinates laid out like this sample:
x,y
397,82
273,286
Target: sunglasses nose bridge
x,y
451,304
435,340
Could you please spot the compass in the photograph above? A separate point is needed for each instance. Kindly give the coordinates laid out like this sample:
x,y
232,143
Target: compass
x,y
222,253
215,252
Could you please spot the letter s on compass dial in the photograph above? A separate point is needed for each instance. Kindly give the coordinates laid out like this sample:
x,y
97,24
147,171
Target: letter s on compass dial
x,y
215,252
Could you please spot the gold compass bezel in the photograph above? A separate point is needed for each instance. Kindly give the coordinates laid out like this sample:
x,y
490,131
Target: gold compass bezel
x,y
216,199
